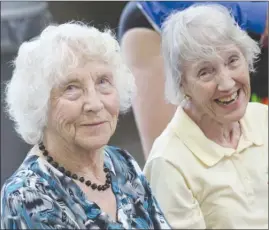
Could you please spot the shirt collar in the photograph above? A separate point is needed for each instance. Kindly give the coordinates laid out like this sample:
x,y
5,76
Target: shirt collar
x,y
205,149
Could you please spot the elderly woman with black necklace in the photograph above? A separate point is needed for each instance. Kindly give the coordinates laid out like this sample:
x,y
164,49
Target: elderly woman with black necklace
x,y
67,90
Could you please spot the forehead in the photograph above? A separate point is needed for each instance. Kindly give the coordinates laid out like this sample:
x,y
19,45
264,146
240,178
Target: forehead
x,y
219,54
90,69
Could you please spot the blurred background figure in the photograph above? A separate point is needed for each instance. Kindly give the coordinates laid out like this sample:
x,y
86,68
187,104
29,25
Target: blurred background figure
x,y
139,28
20,21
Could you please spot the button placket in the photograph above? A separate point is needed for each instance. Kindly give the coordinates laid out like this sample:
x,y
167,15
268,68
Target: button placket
x,y
245,179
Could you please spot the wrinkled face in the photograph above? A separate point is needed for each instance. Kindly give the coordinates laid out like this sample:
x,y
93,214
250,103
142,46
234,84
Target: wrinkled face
x,y
84,109
219,87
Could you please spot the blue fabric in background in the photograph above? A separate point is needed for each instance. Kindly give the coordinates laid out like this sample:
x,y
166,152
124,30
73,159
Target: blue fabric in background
x,y
250,16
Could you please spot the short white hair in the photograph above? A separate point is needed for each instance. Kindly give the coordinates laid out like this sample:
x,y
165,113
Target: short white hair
x,y
197,32
43,62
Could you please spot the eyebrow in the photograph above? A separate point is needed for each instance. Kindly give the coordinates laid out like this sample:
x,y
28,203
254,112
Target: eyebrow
x,y
201,63
227,53
101,73
69,80
107,74
233,52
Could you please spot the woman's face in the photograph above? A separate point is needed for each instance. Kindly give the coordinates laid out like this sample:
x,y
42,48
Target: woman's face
x,y
219,87
84,109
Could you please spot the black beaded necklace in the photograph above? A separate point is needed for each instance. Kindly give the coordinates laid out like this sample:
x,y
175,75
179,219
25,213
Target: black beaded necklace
x,y
56,165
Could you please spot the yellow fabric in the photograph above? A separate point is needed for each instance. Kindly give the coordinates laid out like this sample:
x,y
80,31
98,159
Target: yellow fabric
x,y
200,184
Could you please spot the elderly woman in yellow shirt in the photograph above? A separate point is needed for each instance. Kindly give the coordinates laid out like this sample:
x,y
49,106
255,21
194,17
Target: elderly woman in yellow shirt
x,y
209,168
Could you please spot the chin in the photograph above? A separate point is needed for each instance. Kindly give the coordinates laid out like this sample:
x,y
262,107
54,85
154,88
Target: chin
x,y
236,115
234,111
93,143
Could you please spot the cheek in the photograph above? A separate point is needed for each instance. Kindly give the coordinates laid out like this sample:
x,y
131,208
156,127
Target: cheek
x,y
64,114
112,106
242,76
244,79
203,92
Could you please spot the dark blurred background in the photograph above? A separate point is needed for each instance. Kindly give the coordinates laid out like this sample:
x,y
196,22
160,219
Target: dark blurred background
x,y
21,21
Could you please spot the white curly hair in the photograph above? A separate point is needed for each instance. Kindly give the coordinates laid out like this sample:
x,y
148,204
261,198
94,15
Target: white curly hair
x,y
45,61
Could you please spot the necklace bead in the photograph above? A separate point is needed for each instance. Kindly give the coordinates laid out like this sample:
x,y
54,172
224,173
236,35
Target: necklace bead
x,y
94,186
61,169
68,173
49,159
74,176
45,153
55,164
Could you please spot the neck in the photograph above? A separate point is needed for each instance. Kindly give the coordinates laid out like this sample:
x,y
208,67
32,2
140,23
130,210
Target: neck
x,y
224,134
83,162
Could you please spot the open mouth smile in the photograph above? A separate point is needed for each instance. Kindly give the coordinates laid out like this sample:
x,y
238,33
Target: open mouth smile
x,y
228,100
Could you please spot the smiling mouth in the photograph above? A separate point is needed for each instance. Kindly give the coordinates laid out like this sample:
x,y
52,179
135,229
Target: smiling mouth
x,y
228,100
94,124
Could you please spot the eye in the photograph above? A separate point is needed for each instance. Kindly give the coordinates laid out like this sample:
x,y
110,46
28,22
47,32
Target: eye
x,y
206,74
72,92
205,71
104,84
104,80
233,60
202,72
71,87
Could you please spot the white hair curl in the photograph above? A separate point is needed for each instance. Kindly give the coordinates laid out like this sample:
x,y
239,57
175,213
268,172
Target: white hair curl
x,y
198,32
44,61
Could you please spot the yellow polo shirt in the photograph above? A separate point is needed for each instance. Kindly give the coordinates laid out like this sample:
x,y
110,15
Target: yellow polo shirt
x,y
200,184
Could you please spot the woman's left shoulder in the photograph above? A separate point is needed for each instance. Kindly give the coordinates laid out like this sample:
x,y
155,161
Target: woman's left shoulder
x,y
257,110
123,159
119,152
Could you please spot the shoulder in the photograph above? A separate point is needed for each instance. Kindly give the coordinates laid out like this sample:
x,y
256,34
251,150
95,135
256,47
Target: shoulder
x,y
167,147
129,174
122,160
21,191
31,198
27,181
24,177
169,154
257,113
255,108
119,154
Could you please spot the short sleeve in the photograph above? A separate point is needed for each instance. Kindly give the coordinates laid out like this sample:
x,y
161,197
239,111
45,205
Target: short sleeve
x,y
176,200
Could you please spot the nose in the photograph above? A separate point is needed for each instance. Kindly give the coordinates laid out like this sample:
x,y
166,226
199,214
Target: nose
x,y
93,102
225,80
